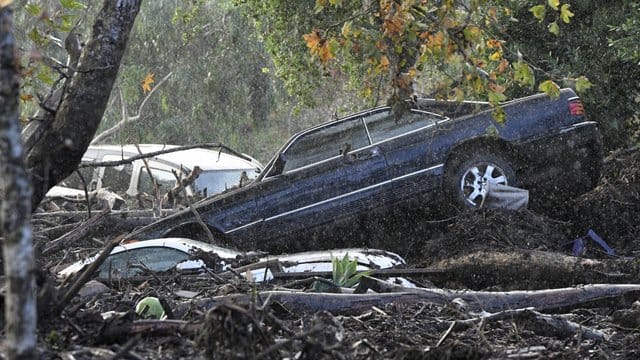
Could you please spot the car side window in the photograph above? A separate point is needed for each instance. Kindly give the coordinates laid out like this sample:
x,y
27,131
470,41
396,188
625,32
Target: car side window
x,y
74,181
325,143
133,262
164,178
117,178
384,125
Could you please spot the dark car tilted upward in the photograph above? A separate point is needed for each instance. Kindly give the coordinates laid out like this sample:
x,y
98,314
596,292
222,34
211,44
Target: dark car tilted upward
x,y
375,162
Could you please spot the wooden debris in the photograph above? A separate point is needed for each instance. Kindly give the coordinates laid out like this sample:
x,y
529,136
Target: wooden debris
x,y
80,232
541,300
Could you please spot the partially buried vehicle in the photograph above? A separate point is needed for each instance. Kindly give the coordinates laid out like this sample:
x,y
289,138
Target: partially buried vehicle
x,y
375,162
188,256
219,171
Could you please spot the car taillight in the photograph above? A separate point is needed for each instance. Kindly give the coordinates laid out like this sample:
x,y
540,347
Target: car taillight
x,y
576,108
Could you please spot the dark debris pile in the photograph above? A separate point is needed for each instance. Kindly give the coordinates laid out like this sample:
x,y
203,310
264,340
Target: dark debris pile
x,y
269,330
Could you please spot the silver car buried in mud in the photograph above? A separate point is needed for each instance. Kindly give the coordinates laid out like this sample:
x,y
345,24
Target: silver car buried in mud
x,y
188,256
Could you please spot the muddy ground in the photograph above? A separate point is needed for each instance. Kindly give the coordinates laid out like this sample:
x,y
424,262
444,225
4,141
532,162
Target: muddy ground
x,y
483,250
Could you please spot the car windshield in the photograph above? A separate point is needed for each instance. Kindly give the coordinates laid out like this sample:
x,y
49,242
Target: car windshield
x,y
216,181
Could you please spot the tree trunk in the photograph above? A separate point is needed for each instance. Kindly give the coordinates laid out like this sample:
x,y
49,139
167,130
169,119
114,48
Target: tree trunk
x,y
56,155
15,210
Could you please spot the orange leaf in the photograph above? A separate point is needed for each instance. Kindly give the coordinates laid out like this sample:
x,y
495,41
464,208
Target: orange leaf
x,y
26,97
312,39
325,53
494,44
393,25
504,65
318,46
147,82
384,62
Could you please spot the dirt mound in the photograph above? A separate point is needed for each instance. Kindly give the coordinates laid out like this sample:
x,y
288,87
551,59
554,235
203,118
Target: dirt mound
x,y
496,230
613,208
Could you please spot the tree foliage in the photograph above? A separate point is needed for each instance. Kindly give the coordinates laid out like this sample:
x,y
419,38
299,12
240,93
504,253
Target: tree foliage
x,y
392,47
232,60
598,43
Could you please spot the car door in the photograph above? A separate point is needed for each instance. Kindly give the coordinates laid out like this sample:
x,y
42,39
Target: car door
x,y
408,144
325,177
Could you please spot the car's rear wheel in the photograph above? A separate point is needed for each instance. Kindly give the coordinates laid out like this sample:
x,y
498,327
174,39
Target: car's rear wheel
x,y
468,179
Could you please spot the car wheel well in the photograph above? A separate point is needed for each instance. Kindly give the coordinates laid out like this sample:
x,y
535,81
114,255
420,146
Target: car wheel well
x,y
485,145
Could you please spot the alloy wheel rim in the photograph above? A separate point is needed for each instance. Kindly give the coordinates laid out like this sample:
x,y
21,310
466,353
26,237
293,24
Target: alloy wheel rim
x,y
476,181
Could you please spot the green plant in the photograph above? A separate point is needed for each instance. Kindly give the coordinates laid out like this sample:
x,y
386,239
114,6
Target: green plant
x,y
150,307
345,273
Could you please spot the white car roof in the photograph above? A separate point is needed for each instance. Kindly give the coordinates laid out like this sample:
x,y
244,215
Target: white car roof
x,y
206,159
369,257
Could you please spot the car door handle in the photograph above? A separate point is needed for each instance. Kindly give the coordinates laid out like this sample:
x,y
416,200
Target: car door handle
x,y
368,154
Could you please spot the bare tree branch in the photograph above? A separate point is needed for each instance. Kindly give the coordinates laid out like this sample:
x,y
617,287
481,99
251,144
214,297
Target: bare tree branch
x,y
126,119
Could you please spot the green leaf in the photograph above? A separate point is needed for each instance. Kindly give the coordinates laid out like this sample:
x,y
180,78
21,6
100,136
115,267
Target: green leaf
x,y
36,37
554,4
554,28
499,116
583,84
33,10
44,74
523,74
345,272
538,12
72,4
565,13
495,97
150,307
550,88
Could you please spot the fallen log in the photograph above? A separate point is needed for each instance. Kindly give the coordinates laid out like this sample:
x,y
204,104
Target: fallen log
x,y
542,324
60,217
541,300
531,269
80,232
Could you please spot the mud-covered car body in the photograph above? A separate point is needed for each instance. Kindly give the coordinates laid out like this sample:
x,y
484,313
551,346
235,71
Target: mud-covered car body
x,y
133,259
375,162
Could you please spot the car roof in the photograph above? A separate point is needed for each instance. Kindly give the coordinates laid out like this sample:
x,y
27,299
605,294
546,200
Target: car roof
x,y
204,158
182,244
373,257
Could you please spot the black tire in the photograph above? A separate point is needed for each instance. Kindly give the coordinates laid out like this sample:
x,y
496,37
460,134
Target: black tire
x,y
466,178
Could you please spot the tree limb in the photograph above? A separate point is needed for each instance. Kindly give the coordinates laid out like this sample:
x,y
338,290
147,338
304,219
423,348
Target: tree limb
x,y
126,119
